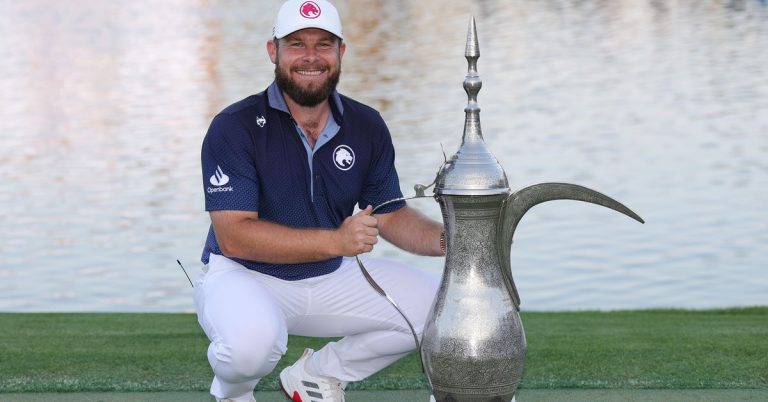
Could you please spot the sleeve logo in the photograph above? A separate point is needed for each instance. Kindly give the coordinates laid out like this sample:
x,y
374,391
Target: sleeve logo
x,y
219,178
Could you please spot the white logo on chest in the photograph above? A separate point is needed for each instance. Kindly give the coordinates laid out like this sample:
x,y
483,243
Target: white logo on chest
x,y
343,157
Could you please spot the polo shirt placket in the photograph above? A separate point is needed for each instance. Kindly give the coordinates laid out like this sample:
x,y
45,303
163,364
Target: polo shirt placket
x,y
276,101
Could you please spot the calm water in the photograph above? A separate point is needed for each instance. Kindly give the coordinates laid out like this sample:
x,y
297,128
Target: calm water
x,y
661,104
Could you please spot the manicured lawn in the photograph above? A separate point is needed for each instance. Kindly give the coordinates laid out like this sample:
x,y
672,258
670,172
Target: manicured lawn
x,y
524,395
654,349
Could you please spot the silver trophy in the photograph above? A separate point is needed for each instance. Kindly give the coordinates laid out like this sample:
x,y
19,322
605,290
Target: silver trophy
x,y
473,348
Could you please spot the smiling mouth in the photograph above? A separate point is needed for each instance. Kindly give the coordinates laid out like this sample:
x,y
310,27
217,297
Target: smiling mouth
x,y
309,73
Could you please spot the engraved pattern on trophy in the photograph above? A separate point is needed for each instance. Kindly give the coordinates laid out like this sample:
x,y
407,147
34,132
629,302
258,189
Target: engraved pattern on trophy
x,y
473,347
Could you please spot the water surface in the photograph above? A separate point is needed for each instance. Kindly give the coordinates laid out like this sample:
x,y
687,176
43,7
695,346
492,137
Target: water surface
x,y
662,105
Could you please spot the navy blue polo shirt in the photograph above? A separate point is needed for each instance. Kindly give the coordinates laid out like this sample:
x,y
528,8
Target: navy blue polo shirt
x,y
256,158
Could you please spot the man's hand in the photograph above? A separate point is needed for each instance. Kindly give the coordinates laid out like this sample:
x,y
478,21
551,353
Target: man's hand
x,y
358,233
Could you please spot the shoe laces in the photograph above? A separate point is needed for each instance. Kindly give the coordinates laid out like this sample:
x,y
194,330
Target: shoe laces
x,y
336,392
332,390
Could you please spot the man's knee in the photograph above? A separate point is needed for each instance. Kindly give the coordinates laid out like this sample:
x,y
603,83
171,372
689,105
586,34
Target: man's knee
x,y
246,358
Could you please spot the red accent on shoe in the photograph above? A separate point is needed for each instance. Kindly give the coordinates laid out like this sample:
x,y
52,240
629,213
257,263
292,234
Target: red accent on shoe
x,y
296,397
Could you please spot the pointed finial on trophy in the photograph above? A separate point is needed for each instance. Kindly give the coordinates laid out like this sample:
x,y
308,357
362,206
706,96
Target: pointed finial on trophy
x,y
472,83
473,170
473,48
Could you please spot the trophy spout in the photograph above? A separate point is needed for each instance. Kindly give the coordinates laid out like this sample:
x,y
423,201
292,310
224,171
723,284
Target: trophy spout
x,y
519,202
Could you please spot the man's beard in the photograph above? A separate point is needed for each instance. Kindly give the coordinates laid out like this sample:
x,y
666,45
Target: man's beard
x,y
306,97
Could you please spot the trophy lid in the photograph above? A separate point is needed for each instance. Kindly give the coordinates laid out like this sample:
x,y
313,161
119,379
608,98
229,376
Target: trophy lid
x,y
472,170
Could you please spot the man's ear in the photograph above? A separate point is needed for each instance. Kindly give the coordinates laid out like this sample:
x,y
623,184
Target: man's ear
x,y
272,50
342,48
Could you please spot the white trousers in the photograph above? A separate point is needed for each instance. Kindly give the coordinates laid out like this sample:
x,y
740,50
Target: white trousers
x,y
248,315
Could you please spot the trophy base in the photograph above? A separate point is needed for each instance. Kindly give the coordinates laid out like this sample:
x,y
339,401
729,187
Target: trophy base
x,y
432,399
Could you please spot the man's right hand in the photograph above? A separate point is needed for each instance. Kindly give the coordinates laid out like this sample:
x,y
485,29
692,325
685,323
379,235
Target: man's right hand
x,y
358,233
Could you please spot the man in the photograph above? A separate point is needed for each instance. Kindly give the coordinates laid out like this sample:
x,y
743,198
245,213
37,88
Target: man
x,y
283,171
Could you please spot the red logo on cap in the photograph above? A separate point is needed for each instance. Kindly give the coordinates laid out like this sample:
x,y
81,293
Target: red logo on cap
x,y
309,9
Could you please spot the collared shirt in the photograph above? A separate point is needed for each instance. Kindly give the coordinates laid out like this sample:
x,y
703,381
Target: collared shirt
x,y
256,158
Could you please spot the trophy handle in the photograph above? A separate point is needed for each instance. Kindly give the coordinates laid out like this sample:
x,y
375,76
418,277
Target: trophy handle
x,y
519,202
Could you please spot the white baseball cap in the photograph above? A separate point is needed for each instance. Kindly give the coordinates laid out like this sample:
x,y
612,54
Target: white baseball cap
x,y
299,14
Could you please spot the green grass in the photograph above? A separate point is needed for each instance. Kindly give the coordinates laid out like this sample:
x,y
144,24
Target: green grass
x,y
664,349
659,349
524,395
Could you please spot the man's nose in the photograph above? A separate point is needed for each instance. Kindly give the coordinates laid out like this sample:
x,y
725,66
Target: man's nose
x,y
310,53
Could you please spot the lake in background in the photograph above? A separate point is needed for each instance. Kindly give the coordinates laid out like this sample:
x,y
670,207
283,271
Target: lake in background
x,y
662,105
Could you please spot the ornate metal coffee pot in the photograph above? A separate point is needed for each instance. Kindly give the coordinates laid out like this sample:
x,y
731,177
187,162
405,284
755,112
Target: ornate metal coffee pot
x,y
474,346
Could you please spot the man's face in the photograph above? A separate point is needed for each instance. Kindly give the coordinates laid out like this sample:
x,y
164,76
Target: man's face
x,y
307,64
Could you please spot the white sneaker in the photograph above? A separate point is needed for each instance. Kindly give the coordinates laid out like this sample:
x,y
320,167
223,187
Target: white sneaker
x,y
300,386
